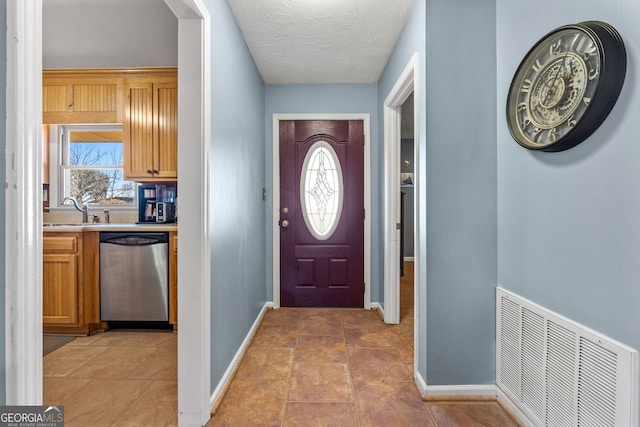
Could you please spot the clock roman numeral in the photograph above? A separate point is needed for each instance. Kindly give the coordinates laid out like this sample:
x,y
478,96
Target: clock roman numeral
x,y
579,40
537,66
591,50
584,45
555,48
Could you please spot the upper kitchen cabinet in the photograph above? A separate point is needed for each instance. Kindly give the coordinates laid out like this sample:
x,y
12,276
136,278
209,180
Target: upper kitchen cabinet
x,y
82,96
150,127
143,100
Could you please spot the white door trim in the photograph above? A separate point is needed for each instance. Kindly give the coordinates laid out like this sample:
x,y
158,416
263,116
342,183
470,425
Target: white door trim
x,y
365,117
23,303
23,224
404,86
194,247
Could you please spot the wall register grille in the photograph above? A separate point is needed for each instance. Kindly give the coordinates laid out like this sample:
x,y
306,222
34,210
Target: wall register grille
x,y
560,373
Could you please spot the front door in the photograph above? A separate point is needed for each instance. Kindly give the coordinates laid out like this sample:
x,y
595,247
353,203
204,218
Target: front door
x,y
322,213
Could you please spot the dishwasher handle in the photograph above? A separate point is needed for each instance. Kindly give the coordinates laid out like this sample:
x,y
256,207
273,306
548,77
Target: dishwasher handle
x,y
133,239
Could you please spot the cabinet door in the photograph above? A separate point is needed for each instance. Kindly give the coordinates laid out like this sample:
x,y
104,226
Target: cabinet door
x,y
96,101
56,98
150,131
75,99
137,135
165,103
59,291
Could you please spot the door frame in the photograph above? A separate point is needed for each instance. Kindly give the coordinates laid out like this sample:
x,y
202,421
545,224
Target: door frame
x,y
23,226
194,262
366,119
404,86
23,223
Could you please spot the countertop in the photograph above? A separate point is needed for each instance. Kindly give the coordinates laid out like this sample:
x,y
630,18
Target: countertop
x,y
48,228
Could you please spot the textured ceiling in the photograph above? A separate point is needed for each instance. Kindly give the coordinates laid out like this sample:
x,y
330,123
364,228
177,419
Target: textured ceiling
x,y
321,41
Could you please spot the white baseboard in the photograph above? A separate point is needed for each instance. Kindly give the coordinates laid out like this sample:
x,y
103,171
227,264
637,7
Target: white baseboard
x,y
488,390
504,400
227,377
377,306
420,382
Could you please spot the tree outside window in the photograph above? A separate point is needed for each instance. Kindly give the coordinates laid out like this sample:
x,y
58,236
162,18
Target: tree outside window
x,y
93,171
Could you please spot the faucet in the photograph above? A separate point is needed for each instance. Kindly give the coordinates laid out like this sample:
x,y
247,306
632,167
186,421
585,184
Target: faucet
x,y
107,219
84,209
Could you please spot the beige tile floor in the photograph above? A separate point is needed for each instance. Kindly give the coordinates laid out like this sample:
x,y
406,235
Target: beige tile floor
x,y
305,367
332,367
115,379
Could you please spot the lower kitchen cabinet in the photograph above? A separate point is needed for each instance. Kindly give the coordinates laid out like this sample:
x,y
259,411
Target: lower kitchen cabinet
x,y
60,288
173,279
70,301
61,271
71,282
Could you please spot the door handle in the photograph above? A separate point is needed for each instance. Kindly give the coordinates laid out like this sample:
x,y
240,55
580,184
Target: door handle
x,y
284,223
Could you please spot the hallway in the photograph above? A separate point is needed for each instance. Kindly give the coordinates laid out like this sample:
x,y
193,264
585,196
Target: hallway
x,y
406,325
336,367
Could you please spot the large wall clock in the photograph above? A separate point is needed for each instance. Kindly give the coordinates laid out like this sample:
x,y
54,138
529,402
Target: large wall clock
x,y
566,86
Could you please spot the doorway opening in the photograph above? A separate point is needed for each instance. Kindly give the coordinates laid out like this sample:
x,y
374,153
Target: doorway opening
x,y
23,302
407,221
393,178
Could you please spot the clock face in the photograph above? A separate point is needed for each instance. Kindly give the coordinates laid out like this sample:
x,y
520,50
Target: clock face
x,y
550,102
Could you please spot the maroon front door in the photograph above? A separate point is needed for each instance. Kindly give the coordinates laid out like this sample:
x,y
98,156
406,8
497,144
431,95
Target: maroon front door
x,y
322,213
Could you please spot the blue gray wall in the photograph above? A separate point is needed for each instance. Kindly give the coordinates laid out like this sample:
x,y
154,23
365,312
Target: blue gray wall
x,y
237,177
457,185
461,192
323,99
569,235
3,145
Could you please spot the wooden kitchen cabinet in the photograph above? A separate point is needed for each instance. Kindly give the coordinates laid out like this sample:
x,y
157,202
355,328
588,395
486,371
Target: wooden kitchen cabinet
x,y
82,96
61,271
70,299
150,128
173,279
144,100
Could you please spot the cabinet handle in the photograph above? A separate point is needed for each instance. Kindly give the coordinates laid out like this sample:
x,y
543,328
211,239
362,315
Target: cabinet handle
x,y
149,171
155,171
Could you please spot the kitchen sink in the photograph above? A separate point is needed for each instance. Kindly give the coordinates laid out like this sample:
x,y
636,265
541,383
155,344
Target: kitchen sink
x,y
62,225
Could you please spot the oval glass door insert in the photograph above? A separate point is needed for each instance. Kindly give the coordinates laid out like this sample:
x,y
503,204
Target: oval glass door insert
x,y
321,190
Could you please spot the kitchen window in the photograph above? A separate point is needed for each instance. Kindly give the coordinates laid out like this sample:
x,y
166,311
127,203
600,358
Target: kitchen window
x,y
89,163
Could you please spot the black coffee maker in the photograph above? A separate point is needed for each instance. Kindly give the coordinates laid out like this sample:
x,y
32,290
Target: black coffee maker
x,y
156,204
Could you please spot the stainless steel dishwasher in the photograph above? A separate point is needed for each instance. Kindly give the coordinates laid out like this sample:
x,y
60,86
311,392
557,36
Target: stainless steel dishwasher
x,y
134,276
